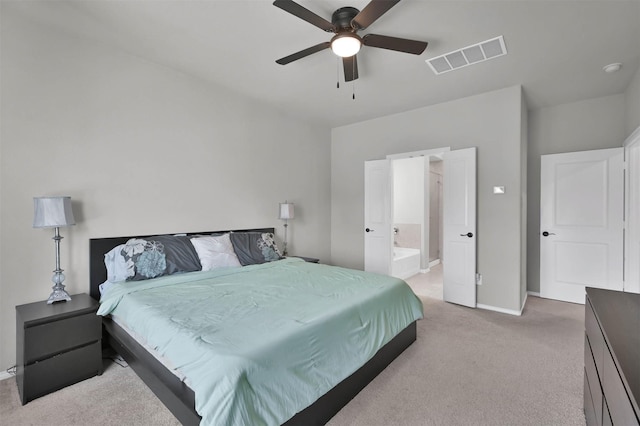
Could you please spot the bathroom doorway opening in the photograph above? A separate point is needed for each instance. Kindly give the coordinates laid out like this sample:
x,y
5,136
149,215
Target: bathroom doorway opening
x,y
458,258
417,222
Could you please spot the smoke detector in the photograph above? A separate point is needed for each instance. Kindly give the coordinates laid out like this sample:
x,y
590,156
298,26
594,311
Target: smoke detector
x,y
474,54
612,67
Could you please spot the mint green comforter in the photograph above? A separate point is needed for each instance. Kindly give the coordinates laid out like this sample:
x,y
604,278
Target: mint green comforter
x,y
260,343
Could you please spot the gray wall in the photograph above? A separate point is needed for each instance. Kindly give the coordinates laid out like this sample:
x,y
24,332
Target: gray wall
x,y
408,190
491,122
632,99
141,149
581,126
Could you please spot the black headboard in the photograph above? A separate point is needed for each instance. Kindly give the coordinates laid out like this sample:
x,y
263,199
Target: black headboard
x,y
98,247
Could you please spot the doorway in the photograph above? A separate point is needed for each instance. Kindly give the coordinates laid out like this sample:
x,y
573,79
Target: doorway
x,y
458,217
417,223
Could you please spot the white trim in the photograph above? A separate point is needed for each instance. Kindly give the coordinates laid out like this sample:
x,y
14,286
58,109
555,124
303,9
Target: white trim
x,y
631,282
4,375
423,153
534,293
425,271
434,263
503,310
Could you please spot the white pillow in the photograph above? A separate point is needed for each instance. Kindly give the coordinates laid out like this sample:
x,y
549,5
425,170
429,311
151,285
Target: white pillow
x,y
118,269
215,252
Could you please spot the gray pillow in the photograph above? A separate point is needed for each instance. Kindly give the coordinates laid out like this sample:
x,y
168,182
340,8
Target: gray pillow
x,y
164,255
255,247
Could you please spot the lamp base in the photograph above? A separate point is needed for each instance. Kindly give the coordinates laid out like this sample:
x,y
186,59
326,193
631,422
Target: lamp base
x,y
58,294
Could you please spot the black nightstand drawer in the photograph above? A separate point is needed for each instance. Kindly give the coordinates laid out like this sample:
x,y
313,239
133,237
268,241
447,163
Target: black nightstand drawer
x,y
57,345
62,370
52,338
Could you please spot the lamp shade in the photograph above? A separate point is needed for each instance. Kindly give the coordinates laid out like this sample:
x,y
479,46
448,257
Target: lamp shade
x,y
51,212
286,211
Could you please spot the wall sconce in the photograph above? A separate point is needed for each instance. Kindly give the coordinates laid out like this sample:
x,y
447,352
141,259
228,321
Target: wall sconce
x,y
285,213
54,212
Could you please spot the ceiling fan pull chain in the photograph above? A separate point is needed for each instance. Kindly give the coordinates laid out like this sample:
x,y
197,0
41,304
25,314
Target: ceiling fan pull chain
x,y
337,72
353,87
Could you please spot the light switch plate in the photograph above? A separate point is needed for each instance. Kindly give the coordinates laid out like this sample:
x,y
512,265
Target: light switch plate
x,y
498,189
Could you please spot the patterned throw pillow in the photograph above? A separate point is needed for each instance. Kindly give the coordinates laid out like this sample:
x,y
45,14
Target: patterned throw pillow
x,y
255,247
157,256
146,259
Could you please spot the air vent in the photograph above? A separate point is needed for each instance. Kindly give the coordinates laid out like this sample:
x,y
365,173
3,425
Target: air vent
x,y
469,55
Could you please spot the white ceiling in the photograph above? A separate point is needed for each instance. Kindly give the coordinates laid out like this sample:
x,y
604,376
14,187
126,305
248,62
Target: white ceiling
x,y
556,49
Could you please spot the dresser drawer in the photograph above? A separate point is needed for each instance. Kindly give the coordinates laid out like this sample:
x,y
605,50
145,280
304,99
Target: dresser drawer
x,y
606,417
589,412
62,370
51,338
596,339
620,407
612,321
594,383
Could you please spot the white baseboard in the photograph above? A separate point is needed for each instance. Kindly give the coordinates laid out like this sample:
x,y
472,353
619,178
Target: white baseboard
x,y
503,310
434,263
534,293
4,375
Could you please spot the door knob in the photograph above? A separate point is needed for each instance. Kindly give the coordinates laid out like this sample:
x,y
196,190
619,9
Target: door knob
x,y
369,230
468,234
546,234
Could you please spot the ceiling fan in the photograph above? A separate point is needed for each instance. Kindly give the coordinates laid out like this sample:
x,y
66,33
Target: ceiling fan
x,y
345,23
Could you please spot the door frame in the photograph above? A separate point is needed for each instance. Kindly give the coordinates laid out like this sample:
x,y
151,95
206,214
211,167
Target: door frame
x,y
424,238
632,213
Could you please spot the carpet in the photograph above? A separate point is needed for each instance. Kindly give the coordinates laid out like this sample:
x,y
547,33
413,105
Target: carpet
x,y
468,367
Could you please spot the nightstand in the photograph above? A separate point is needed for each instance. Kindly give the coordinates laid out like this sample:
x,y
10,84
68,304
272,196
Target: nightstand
x,y
57,345
308,259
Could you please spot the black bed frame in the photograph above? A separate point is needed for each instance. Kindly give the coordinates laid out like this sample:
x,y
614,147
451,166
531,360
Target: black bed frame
x,y
180,399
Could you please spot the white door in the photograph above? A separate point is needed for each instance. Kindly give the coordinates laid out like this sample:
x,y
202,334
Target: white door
x,y
581,223
459,227
377,216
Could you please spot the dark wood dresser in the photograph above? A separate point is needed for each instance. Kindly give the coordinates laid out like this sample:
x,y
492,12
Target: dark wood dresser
x,y
612,358
57,345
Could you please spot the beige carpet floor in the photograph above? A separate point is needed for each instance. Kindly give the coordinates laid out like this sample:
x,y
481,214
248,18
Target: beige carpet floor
x,y
468,367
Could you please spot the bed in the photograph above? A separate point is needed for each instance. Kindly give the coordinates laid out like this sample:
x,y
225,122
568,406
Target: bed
x,y
181,400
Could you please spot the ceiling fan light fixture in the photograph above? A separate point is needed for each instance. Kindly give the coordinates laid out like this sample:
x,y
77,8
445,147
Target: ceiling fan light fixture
x,y
346,44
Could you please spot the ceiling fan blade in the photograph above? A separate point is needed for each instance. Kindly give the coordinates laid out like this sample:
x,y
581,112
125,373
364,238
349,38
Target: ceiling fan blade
x,y
371,12
303,53
350,65
304,14
414,47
